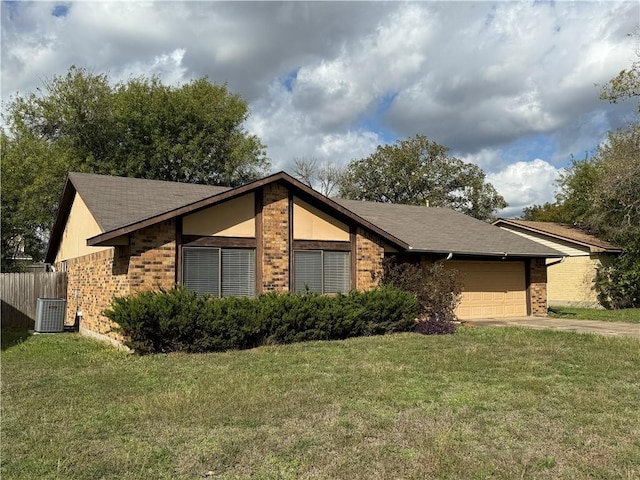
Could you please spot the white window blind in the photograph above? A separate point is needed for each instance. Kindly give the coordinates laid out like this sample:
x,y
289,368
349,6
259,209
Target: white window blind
x,y
219,271
238,272
321,271
201,269
307,271
336,272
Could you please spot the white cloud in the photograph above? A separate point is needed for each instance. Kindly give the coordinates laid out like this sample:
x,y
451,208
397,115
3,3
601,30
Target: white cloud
x,y
523,184
473,76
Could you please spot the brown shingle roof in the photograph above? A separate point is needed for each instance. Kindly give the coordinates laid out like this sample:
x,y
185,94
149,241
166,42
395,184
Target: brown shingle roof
x,y
563,231
443,230
118,201
122,204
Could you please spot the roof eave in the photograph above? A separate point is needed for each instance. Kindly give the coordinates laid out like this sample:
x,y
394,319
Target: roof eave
x,y
489,254
592,248
65,203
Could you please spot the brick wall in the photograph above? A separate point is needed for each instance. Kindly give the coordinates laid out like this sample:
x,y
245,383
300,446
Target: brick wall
x,y
571,282
275,221
153,257
148,262
92,281
538,286
369,256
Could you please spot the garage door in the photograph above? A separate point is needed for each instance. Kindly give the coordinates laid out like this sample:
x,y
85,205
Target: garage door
x,y
491,289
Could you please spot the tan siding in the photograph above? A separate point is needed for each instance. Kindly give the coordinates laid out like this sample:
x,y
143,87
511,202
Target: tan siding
x,y
571,281
309,223
234,218
80,226
491,289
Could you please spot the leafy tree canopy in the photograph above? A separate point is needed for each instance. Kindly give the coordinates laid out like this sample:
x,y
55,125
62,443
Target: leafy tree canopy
x,y
418,171
601,194
139,128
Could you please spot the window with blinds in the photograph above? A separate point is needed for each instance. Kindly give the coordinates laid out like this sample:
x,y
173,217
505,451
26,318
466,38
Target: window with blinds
x,y
219,271
238,272
321,271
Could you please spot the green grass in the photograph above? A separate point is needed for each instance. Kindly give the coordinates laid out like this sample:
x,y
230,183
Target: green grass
x,y
629,315
484,403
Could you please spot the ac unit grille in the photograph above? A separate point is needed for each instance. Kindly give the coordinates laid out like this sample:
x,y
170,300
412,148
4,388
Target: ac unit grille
x,y
50,313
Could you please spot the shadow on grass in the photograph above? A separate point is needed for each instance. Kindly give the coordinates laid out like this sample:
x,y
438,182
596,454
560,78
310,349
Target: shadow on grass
x,y
12,336
560,313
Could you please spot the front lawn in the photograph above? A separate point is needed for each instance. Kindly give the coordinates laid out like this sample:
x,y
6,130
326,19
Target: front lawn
x,y
483,403
629,315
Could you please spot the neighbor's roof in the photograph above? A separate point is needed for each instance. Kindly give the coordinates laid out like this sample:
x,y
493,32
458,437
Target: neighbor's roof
x,y
441,230
562,231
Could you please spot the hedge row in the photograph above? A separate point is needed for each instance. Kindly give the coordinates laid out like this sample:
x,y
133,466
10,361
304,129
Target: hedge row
x,y
178,320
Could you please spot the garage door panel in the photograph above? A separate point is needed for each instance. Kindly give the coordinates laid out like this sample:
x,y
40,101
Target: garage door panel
x,y
491,289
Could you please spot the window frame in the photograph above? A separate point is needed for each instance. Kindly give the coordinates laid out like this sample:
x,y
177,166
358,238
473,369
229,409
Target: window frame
x,y
346,279
251,284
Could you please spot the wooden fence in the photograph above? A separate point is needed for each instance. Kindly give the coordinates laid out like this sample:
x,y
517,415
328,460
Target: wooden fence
x,y
20,291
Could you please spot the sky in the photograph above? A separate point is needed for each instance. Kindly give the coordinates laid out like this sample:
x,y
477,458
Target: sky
x,y
509,86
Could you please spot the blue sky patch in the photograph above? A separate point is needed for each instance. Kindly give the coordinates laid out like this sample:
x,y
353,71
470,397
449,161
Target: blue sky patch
x,y
385,102
529,148
289,79
60,10
11,7
374,124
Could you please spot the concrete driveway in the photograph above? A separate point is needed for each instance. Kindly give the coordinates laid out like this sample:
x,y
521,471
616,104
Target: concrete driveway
x,y
614,329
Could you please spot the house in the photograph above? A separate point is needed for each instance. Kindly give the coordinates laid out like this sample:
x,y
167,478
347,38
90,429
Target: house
x,y
117,236
569,280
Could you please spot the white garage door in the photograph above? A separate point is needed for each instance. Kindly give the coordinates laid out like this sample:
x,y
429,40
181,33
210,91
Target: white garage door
x,y
491,289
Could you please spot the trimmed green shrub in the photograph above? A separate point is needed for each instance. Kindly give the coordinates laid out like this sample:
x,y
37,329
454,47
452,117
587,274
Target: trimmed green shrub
x,y
177,320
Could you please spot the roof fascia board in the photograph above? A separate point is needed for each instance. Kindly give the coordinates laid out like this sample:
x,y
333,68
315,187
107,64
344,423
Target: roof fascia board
x,y
66,200
592,248
490,254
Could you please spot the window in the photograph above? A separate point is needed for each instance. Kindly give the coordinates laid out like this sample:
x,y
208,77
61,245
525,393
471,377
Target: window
x,y
321,271
219,271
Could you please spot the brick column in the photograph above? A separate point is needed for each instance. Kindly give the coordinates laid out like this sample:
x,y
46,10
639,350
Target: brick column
x,y
275,238
153,257
537,288
369,256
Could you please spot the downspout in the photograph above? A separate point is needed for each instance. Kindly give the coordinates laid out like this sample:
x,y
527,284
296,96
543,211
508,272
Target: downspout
x,y
557,262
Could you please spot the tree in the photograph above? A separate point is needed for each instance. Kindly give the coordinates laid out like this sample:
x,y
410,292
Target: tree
x,y
601,195
324,177
139,128
418,171
624,85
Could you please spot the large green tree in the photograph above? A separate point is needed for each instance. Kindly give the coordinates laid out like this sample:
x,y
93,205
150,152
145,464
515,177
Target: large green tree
x,y
418,171
601,194
139,128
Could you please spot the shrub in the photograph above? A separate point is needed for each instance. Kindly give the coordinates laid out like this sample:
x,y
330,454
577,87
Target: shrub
x,y
436,289
617,282
177,320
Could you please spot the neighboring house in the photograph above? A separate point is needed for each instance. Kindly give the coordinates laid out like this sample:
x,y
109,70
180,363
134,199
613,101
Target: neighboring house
x,y
116,236
570,280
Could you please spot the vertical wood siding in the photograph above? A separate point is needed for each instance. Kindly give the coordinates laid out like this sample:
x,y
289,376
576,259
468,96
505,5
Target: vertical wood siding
x,y
20,291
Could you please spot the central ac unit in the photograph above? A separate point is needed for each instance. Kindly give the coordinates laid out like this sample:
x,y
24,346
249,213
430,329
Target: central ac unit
x,y
50,313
